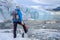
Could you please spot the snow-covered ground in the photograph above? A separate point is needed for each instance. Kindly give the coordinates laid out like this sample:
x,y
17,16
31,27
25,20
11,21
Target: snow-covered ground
x,y
33,34
8,35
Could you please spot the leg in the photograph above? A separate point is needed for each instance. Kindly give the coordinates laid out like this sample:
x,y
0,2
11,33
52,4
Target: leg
x,y
14,31
24,26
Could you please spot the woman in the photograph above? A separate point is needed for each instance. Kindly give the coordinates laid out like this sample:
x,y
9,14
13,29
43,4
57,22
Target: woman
x,y
17,19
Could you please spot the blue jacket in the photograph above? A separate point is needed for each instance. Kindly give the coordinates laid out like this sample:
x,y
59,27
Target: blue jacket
x,y
19,14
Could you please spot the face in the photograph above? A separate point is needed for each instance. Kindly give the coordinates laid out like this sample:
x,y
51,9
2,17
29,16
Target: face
x,y
17,7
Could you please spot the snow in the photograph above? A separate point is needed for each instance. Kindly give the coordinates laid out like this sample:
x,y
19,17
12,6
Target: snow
x,y
33,34
9,36
6,34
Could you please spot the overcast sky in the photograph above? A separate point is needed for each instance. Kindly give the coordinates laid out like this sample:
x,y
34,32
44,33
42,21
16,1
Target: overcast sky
x,y
47,4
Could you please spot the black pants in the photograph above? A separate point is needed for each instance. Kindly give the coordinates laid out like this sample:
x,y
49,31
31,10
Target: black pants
x,y
15,28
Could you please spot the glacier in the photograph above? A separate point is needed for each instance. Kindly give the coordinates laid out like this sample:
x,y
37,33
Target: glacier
x,y
6,8
38,30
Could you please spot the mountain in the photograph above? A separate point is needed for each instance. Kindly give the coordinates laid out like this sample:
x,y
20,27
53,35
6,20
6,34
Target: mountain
x,y
56,9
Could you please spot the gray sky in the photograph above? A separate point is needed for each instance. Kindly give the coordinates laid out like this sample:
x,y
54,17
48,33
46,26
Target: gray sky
x,y
47,4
